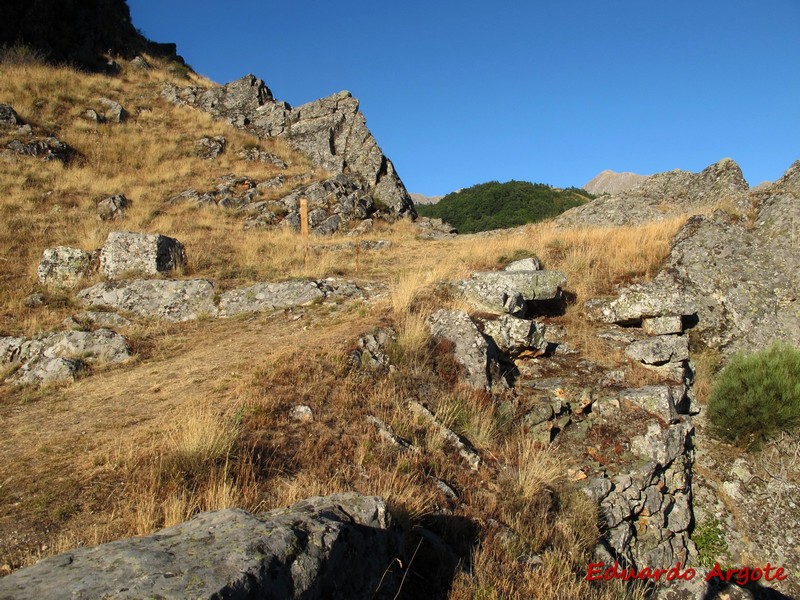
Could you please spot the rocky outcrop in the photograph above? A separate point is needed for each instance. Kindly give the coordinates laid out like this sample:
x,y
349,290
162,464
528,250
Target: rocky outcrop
x,y
665,195
611,182
269,296
142,253
304,551
332,132
20,138
738,280
58,357
168,300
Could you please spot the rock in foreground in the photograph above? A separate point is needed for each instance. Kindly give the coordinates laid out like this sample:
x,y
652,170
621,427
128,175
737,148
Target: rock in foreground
x,y
338,546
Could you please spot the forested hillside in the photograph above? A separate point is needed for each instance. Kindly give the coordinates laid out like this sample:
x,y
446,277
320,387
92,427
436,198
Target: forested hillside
x,y
496,205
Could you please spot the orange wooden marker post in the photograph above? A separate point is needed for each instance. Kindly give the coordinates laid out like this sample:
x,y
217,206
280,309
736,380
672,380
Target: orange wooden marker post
x,y
304,229
304,218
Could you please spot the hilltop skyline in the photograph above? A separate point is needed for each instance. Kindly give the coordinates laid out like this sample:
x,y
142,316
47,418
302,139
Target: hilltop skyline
x,y
456,94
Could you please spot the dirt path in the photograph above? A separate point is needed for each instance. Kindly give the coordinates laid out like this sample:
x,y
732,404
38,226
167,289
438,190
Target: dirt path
x,y
56,447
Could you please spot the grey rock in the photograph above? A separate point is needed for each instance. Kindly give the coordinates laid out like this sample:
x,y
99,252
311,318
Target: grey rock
x,y
44,147
679,517
168,300
256,155
211,147
657,399
59,357
372,350
660,349
113,111
469,346
63,266
663,445
388,434
434,229
87,319
526,264
35,300
665,325
138,62
663,196
144,253
642,301
509,291
9,117
464,447
269,296
302,413
305,551
46,371
113,208
513,335
91,115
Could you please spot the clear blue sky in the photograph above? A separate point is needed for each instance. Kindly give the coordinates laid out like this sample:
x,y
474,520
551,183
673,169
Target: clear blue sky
x,y
462,92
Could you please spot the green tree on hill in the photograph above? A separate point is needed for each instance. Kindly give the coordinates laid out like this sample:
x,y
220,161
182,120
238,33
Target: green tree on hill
x,y
496,205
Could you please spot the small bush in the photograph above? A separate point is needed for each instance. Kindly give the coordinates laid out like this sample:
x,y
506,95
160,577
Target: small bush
x,y
757,395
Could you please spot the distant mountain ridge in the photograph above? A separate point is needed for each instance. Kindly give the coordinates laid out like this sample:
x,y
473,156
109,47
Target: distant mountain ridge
x,y
423,199
611,182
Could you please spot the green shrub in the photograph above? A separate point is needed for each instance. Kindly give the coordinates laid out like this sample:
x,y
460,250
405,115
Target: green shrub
x,y
757,395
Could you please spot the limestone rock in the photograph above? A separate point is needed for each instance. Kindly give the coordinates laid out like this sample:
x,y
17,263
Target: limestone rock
x,y
510,291
114,113
8,116
269,296
513,335
305,551
434,229
63,266
739,278
46,371
372,350
470,348
145,253
657,399
331,131
87,319
660,349
526,264
256,155
663,196
44,147
663,325
169,300
112,208
211,147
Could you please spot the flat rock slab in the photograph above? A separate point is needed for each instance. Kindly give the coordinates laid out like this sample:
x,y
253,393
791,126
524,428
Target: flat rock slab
x,y
269,296
508,291
63,266
170,300
307,551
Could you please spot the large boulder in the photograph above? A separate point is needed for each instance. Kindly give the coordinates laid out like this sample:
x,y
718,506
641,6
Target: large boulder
x,y
665,195
140,253
306,551
170,300
63,266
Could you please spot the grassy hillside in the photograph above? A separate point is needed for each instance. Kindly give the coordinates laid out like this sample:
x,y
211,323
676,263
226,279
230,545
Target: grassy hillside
x,y
497,205
199,419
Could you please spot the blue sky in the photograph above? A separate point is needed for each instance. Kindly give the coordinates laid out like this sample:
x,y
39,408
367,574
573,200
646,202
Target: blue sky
x,y
459,93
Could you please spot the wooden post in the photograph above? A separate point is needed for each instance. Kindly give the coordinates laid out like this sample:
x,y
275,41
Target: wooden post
x,y
304,218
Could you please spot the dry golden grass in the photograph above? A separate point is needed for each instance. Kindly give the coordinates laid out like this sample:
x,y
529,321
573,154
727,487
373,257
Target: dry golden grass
x,y
200,420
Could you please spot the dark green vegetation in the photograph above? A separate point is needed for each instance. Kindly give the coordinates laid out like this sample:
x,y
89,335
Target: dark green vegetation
x,y
497,205
757,395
